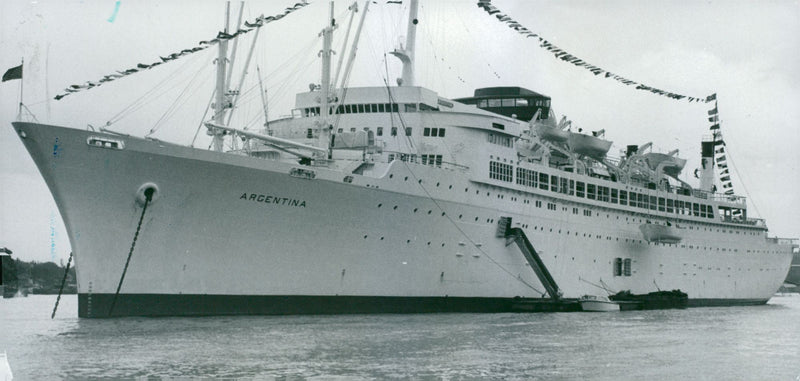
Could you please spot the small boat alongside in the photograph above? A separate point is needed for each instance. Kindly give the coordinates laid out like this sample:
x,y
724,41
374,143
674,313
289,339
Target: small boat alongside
x,y
659,300
594,303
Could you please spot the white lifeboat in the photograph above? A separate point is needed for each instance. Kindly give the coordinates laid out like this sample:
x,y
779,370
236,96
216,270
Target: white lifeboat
x,y
671,165
660,233
588,145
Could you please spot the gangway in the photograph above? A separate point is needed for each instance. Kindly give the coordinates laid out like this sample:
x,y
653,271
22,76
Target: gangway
x,y
518,236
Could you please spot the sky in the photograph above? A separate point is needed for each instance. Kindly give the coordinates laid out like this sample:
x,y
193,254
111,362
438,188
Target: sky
x,y
746,52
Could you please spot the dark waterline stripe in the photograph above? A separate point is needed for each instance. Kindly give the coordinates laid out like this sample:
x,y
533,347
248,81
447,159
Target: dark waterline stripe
x,y
97,305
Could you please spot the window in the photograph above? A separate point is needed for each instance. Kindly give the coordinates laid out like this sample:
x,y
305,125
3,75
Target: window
x,y
543,181
623,197
394,131
434,131
360,108
482,103
564,188
554,183
580,188
617,266
500,171
309,133
426,131
408,131
661,204
432,160
411,107
494,103
380,131
527,177
498,126
572,187
507,102
381,107
441,132
374,107
653,202
522,102
591,192
670,205
602,193
626,267
614,194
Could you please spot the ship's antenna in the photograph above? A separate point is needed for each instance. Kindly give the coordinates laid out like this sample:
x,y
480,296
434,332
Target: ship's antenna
x,y
406,54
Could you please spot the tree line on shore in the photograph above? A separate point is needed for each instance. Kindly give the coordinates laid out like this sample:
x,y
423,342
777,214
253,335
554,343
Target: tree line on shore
x,y
21,278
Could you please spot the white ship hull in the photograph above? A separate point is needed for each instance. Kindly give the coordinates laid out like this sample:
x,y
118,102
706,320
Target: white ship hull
x,y
216,241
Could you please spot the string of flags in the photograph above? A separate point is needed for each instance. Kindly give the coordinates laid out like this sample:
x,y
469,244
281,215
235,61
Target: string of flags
x,y
570,58
719,148
202,45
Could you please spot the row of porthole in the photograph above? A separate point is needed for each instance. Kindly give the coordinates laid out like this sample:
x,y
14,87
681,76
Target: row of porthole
x,y
526,201
491,220
408,241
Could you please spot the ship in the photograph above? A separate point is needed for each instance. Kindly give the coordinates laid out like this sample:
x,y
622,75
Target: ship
x,y
391,199
793,276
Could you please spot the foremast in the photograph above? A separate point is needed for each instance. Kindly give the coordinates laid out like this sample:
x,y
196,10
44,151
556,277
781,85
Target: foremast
x,y
221,103
323,122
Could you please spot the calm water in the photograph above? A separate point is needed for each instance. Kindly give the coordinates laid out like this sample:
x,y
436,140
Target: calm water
x,y
735,343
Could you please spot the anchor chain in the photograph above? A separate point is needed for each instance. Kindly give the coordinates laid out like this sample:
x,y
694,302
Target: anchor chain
x,y
61,290
148,194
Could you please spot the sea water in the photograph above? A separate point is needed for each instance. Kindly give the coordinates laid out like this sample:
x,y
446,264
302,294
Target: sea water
x,y
724,343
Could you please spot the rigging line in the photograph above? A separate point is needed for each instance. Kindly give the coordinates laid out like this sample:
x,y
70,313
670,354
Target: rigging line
x,y
140,102
148,194
203,119
249,92
463,233
736,169
179,100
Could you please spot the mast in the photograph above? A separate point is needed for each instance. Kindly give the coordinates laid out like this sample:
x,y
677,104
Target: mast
x,y
323,123
407,55
220,101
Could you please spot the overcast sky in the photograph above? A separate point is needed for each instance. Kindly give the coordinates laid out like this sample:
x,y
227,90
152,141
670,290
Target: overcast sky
x,y
747,52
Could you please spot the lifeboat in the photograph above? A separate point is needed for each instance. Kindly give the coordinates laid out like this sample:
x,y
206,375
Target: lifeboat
x,y
551,133
671,165
660,233
588,145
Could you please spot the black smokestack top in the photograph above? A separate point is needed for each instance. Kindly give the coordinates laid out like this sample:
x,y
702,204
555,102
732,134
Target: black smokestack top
x,y
707,149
